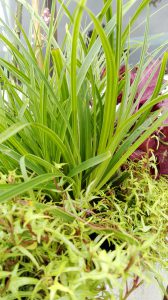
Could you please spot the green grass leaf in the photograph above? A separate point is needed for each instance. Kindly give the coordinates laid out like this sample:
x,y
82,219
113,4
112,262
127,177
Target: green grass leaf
x,y
26,186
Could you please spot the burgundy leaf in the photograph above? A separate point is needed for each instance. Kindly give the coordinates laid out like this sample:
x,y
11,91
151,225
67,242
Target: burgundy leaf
x,y
137,155
149,144
162,158
164,106
155,65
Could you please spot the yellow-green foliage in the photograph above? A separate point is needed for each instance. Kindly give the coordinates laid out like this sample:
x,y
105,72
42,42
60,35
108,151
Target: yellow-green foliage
x,y
48,253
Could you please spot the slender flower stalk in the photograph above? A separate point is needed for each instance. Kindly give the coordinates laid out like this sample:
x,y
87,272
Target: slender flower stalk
x,y
154,2
19,10
49,6
37,35
18,20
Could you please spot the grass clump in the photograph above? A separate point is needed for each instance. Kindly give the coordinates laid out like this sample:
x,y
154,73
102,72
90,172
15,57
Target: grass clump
x,y
105,251
58,112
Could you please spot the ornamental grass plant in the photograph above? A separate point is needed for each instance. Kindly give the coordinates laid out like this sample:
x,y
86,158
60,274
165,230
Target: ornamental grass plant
x,y
78,218
58,115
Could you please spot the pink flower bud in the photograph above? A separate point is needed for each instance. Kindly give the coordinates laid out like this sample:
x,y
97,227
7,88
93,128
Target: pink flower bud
x,y
46,15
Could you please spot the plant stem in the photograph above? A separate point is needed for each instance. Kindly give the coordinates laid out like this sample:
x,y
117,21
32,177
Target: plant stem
x,y
18,20
135,285
19,10
166,296
49,5
37,35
